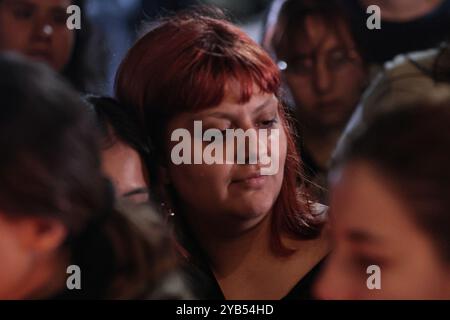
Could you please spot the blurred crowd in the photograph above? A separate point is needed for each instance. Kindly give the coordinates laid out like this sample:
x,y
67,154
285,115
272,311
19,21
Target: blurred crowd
x,y
86,136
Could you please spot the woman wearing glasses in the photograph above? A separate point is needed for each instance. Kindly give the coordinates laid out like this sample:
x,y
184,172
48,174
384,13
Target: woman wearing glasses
x,y
323,71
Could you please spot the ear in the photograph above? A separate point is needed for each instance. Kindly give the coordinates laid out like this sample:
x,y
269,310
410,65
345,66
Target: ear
x,y
42,235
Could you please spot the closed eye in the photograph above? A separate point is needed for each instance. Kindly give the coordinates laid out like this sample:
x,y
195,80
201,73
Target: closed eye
x,y
59,16
267,124
23,12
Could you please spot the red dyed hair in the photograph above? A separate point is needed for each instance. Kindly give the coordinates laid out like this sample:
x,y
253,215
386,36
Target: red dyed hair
x,y
184,64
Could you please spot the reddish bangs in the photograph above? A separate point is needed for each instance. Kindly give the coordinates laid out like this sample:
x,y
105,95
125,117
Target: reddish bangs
x,y
185,63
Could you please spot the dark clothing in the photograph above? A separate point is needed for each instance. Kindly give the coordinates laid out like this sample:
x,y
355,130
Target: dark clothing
x,y
303,290
381,45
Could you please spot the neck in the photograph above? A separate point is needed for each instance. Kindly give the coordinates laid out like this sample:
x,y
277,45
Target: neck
x,y
401,10
247,267
226,252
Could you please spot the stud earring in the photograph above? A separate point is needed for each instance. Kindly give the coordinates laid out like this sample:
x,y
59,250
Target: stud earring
x,y
167,209
48,30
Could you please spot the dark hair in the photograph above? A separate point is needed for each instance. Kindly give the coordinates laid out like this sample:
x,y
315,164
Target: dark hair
x,y
441,68
411,149
286,19
50,167
116,123
86,69
182,65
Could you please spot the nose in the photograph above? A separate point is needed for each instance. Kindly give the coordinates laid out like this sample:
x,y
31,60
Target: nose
x,y
245,143
322,78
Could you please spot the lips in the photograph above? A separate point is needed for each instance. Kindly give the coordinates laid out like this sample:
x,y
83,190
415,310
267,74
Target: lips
x,y
328,105
252,181
40,54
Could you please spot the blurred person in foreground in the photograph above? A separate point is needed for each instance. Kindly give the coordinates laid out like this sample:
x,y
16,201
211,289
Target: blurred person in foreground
x,y
56,207
390,207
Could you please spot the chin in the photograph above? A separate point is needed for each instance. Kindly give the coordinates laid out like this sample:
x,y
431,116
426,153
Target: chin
x,y
254,209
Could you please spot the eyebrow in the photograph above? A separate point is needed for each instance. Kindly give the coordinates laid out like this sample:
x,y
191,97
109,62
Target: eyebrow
x,y
29,3
301,55
18,2
59,9
224,115
136,191
357,236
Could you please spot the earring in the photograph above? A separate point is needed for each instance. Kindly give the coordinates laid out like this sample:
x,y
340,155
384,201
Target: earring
x,y
168,210
48,30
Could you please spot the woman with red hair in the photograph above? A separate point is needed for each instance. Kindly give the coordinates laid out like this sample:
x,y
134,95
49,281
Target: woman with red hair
x,y
258,236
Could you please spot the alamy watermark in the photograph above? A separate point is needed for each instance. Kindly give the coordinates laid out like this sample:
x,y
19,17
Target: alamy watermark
x,y
74,20
374,21
73,281
231,146
374,280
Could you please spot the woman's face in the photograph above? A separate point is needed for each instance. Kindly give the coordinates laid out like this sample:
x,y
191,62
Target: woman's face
x,y
325,74
37,29
228,198
123,165
372,226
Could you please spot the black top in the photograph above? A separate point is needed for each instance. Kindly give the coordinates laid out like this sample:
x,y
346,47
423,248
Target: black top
x,y
396,38
303,290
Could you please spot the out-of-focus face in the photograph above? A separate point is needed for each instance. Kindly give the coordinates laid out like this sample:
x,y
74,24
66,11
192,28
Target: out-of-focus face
x,y
28,248
37,29
325,74
372,226
123,165
232,197
16,261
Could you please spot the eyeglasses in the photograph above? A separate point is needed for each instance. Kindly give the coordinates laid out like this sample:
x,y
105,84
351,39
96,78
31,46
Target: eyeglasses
x,y
306,64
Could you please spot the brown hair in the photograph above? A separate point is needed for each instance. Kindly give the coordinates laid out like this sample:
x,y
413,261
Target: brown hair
x,y
50,167
286,20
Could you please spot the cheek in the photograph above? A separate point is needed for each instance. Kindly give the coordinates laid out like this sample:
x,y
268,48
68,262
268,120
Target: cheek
x,y
64,42
278,167
283,148
334,280
301,90
350,82
13,36
201,182
415,275
14,265
280,153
